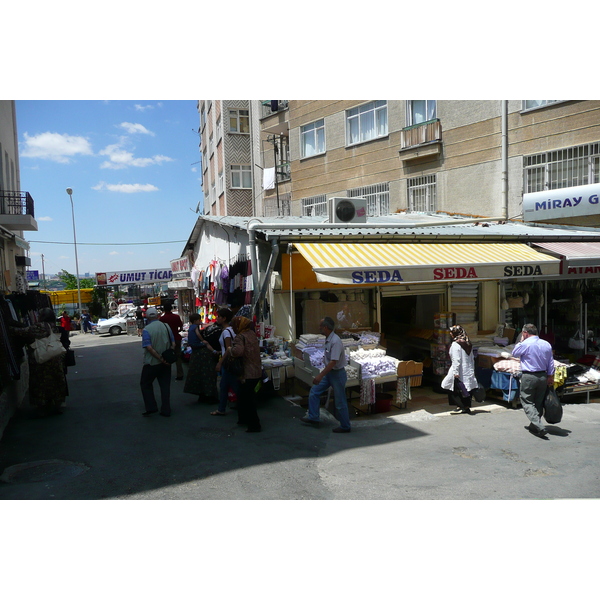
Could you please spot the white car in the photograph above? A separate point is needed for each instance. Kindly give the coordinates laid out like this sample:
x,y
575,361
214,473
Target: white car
x,y
115,325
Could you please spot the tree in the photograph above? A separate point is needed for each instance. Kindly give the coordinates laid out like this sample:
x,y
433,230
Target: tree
x,y
70,281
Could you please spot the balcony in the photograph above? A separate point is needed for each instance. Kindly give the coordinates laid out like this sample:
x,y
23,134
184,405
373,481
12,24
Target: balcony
x,y
16,211
274,117
424,139
284,172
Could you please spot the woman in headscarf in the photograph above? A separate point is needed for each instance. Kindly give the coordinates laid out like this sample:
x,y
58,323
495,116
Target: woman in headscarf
x,y
201,377
47,381
460,380
246,346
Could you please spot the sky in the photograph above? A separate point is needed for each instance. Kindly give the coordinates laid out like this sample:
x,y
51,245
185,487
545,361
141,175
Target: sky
x,y
134,169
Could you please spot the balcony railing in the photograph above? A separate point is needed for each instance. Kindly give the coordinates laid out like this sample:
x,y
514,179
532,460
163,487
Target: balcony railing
x,y
271,209
423,133
283,171
270,107
16,203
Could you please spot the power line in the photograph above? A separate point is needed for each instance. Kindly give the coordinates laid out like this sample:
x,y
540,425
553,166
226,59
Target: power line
x,y
108,244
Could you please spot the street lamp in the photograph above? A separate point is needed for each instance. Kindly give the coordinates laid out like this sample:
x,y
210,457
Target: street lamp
x,y
70,192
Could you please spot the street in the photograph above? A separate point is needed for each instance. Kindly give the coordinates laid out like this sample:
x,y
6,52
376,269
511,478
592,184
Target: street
x,y
102,448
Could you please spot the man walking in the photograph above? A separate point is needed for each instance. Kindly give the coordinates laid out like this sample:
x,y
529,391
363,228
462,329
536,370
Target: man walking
x,y
176,325
333,375
156,338
537,366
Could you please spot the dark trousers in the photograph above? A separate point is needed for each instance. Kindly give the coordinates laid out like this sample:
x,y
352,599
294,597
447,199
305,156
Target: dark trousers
x,y
163,374
246,404
455,397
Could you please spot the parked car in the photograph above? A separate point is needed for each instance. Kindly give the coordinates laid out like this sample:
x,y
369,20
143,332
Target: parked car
x,y
115,325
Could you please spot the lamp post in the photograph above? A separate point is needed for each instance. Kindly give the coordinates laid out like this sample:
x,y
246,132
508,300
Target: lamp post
x,y
70,192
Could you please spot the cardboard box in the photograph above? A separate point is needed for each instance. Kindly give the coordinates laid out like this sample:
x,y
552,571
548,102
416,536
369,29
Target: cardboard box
x,y
487,362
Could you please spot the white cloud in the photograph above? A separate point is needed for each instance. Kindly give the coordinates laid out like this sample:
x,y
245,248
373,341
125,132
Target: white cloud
x,y
43,219
135,128
119,158
143,108
126,188
113,253
55,146
194,170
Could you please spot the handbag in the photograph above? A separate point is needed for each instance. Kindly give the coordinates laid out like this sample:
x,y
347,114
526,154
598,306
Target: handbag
x,y
234,365
577,342
479,393
169,354
47,348
70,358
553,410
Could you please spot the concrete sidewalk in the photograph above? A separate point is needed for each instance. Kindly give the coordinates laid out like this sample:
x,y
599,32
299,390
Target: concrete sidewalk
x,y
102,448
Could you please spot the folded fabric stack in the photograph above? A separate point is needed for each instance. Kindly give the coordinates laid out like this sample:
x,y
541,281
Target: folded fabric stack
x,y
310,340
375,363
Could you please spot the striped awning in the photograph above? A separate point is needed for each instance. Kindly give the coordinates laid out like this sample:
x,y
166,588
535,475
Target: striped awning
x,y
581,259
380,264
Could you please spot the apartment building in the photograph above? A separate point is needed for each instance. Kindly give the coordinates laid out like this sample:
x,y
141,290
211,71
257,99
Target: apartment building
x,y
453,156
16,207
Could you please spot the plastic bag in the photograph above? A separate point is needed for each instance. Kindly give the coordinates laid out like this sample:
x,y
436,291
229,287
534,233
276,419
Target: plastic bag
x,y
577,342
553,409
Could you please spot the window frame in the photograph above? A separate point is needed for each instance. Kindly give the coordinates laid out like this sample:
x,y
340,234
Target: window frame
x,y
242,170
359,114
377,196
410,122
429,185
238,119
316,129
318,202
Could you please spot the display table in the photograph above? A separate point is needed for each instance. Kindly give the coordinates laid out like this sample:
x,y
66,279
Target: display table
x,y
571,389
278,370
509,386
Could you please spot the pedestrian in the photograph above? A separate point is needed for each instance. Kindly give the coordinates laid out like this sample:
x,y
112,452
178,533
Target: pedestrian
x,y
86,321
47,381
334,376
460,380
176,324
65,321
139,320
245,346
228,380
201,377
537,368
156,338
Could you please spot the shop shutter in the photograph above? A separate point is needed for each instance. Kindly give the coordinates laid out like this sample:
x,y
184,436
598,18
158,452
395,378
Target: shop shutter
x,y
413,290
465,302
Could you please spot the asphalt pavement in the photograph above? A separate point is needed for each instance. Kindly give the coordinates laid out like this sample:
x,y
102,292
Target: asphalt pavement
x,y
102,448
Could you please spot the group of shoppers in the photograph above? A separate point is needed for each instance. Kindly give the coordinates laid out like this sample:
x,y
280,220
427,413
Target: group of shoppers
x,y
212,348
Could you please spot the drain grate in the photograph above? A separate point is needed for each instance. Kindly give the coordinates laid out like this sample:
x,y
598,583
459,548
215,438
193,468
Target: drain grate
x,y
42,470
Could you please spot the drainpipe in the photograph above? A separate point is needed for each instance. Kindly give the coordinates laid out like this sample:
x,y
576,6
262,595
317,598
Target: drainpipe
x,y
253,257
267,275
505,158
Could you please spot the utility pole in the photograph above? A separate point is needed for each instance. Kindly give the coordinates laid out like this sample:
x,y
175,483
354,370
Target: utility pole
x,y
43,273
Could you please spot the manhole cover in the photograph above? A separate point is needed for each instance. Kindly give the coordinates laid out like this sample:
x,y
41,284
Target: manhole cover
x,y
42,470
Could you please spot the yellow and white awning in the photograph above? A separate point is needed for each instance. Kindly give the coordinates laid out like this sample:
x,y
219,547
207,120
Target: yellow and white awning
x,y
380,264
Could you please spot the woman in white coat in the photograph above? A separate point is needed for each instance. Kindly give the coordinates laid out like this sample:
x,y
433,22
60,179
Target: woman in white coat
x,y
460,380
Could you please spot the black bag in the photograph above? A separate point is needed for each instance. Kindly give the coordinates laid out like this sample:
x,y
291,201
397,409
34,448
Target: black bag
x,y
70,358
479,394
169,355
553,410
234,365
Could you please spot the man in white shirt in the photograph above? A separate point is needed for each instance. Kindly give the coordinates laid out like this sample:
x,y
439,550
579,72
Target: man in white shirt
x,y
333,375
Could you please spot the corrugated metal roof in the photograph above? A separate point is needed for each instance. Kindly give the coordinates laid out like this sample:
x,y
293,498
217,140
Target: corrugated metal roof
x,y
291,229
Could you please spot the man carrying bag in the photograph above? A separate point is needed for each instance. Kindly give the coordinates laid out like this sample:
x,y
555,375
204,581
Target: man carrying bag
x,y
537,366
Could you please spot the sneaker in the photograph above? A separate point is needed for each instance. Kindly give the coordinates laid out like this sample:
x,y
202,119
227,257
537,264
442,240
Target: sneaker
x,y
308,421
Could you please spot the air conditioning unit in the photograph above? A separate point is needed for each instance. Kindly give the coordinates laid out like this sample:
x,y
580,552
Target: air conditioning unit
x,y
347,210
22,261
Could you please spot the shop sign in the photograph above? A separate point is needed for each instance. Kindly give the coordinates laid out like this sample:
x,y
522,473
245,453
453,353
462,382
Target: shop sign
x,y
578,201
450,273
33,275
180,267
142,277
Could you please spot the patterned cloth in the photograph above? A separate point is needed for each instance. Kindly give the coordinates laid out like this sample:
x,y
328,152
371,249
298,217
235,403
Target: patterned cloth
x,y
202,377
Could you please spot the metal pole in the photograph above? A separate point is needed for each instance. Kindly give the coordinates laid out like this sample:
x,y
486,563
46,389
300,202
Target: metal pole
x,y
505,158
70,192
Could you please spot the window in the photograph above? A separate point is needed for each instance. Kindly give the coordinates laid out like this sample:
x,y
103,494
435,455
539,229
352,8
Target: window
x,y
312,138
239,121
219,129
220,187
241,176
529,104
366,122
569,167
378,198
314,206
422,193
420,111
